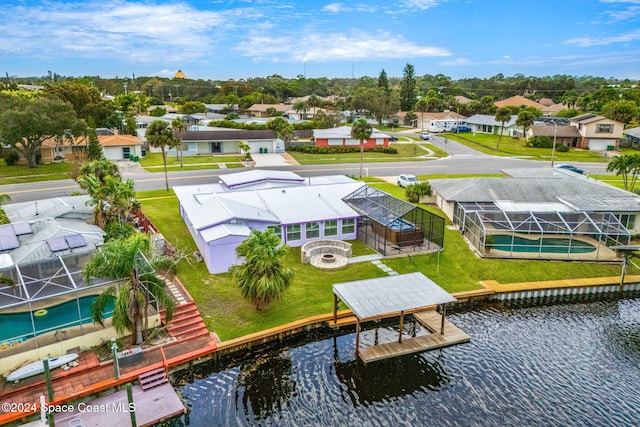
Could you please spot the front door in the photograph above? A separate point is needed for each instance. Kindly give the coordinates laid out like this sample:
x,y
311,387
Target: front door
x,y
216,147
126,151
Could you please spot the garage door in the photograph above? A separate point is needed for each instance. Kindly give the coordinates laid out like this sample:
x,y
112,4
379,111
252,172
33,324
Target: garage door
x,y
601,144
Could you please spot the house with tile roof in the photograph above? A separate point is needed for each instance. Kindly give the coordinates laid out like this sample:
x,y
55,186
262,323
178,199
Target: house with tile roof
x,y
519,101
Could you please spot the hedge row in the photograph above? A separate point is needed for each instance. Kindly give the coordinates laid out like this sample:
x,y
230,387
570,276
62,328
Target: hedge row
x,y
338,149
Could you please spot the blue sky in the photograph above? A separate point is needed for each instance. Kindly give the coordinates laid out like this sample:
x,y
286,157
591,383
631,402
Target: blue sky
x,y
238,39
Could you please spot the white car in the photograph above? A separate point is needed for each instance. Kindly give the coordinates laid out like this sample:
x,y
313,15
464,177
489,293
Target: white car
x,y
406,180
426,136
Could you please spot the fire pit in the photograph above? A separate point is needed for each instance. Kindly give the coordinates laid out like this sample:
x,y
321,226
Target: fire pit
x,y
328,258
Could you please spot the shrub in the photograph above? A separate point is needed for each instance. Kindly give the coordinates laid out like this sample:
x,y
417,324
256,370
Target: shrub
x,y
11,158
562,148
415,191
339,149
541,142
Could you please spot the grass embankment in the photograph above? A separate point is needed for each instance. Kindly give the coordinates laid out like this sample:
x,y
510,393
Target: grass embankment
x,y
513,147
407,152
153,162
20,174
455,269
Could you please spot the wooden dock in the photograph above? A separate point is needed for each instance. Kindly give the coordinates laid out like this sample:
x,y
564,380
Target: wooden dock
x,y
432,320
151,407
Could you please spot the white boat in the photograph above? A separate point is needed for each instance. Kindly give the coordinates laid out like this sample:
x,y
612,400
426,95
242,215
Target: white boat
x,y
37,367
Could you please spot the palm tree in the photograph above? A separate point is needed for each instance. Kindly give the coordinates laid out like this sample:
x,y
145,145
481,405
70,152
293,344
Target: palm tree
x,y
262,277
159,134
361,130
503,115
526,118
627,166
423,106
125,260
179,126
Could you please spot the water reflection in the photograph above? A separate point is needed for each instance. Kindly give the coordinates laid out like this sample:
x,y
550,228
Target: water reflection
x,y
563,365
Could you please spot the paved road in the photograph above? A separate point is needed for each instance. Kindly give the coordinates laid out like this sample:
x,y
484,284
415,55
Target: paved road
x,y
462,160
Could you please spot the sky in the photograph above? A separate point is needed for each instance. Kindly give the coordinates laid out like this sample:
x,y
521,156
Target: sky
x,y
240,39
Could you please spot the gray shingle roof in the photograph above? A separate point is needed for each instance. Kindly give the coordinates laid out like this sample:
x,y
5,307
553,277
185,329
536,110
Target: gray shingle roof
x,y
228,135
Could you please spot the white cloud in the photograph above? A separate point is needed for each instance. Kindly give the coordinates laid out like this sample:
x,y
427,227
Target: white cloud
x,y
420,4
332,47
333,7
591,41
119,29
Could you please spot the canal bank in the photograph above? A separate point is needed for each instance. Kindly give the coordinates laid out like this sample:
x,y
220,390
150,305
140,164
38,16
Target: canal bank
x,y
98,379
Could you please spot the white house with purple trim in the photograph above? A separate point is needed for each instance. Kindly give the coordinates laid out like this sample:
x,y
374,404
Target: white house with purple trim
x,y
220,216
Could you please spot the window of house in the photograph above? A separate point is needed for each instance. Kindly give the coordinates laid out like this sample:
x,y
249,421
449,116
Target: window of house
x,y
312,230
331,228
348,225
293,232
126,151
604,128
277,230
628,220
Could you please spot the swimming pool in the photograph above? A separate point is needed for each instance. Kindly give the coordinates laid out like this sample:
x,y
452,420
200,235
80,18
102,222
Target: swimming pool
x,y
18,325
560,245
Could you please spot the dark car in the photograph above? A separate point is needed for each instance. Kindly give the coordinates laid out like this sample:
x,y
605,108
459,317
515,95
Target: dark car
x,y
569,168
461,129
393,138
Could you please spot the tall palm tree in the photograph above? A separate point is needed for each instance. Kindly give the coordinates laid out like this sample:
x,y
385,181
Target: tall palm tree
x,y
362,131
124,260
262,277
179,126
423,106
159,135
526,118
503,115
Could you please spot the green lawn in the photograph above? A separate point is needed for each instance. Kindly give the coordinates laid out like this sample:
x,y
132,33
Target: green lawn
x,y
512,147
20,174
406,153
153,162
455,269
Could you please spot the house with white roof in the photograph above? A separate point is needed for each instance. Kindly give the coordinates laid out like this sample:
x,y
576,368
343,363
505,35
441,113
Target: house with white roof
x,y
484,123
342,136
220,216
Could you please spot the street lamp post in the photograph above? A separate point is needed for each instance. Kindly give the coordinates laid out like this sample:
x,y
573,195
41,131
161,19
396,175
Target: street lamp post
x,y
555,135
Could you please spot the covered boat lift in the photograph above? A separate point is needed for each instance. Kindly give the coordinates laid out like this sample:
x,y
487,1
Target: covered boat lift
x,y
384,297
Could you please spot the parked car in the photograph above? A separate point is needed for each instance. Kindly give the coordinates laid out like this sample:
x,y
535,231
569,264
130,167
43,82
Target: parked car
x,y
393,138
569,168
406,180
461,129
426,136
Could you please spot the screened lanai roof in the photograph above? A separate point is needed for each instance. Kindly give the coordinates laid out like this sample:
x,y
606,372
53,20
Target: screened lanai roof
x,y
383,295
55,277
378,205
552,222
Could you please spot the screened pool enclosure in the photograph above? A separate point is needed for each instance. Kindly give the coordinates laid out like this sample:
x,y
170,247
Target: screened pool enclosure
x,y
48,301
392,226
578,235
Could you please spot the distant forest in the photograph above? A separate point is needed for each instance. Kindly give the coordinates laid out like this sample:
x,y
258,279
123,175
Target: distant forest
x,y
379,97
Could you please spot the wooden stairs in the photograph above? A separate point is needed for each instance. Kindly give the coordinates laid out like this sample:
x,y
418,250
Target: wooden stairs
x,y
186,322
153,378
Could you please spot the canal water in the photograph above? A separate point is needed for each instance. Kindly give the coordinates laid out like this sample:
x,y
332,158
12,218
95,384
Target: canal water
x,y
572,364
